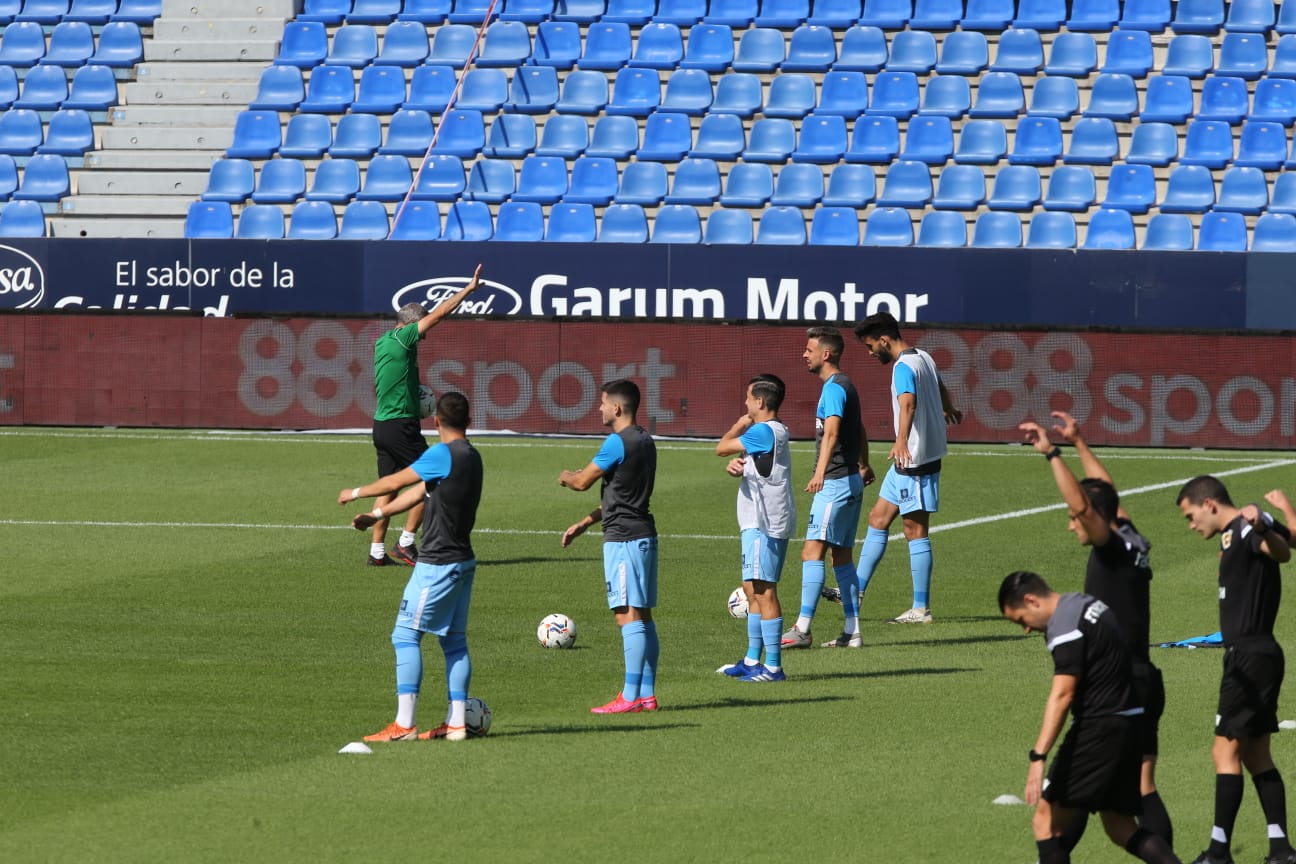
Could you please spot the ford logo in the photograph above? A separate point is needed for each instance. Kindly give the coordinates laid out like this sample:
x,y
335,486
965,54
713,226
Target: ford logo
x,y
22,281
490,298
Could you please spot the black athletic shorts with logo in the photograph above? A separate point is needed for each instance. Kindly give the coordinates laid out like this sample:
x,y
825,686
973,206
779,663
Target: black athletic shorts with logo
x,y
1098,766
399,442
1149,690
1248,701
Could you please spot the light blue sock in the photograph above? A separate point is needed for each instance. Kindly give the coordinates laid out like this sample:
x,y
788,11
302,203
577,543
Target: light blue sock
x,y
848,582
652,648
920,566
812,582
409,659
875,543
772,635
633,643
458,664
753,637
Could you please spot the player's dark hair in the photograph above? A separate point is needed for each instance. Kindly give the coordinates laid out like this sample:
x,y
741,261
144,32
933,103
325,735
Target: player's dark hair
x,y
626,392
1103,496
770,389
409,313
452,411
877,325
1015,587
1198,489
830,338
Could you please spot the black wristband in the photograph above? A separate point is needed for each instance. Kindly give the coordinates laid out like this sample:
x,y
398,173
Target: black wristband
x,y
1054,453
1036,757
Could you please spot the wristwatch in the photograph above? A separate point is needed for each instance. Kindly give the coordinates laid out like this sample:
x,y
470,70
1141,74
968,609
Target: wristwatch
x,y
1036,757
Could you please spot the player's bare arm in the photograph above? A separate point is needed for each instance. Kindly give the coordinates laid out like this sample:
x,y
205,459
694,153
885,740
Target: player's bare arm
x,y
449,305
735,467
574,531
952,414
1279,500
403,502
582,479
906,407
1078,506
865,469
1055,711
1272,543
832,428
382,486
730,443
1070,432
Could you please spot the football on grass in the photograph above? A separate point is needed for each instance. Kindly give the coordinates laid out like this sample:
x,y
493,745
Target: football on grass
x,y
427,401
738,603
556,631
477,717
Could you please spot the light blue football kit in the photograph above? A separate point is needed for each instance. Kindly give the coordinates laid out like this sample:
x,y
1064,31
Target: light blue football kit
x,y
766,516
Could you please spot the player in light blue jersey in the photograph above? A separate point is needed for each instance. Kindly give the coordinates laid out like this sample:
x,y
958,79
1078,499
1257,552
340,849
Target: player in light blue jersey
x,y
627,465
766,513
921,408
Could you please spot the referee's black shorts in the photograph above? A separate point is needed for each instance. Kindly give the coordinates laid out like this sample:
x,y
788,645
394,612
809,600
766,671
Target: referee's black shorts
x,y
1097,767
399,442
1149,691
1248,700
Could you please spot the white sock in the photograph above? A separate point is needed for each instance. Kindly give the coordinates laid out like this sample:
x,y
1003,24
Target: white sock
x,y
455,716
377,550
407,538
803,624
852,625
405,705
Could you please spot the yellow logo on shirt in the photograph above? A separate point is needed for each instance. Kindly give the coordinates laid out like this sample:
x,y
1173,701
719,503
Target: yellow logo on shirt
x,y
1226,539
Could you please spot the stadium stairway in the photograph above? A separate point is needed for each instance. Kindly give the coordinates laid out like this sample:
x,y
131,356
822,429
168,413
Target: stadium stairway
x,y
200,69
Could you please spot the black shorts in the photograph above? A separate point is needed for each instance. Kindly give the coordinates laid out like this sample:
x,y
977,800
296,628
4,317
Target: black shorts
x,y
398,442
1097,768
1248,701
1149,690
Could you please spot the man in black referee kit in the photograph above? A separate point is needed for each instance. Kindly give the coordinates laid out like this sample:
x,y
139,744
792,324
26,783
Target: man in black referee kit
x,y
1252,546
1097,766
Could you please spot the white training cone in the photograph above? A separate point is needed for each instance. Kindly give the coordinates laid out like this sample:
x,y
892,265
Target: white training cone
x,y
357,747
1287,724
1008,799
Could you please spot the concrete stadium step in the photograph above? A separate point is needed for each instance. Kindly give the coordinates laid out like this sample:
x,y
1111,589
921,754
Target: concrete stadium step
x,y
212,30
167,115
284,9
198,72
146,160
164,138
119,205
191,51
153,183
107,226
160,92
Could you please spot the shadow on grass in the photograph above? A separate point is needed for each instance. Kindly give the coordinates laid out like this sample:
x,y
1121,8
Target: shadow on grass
x,y
598,727
525,559
961,640
881,673
753,703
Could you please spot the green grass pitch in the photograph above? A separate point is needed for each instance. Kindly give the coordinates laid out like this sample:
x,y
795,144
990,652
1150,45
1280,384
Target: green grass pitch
x,y
188,635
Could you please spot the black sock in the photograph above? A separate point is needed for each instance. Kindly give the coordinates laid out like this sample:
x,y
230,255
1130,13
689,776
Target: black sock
x,y
1074,830
1156,819
1228,799
1273,800
1146,846
1052,852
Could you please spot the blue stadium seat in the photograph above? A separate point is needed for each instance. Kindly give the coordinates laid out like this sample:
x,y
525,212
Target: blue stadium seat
x,y
69,132
1114,95
835,226
636,92
280,88
1150,15
1073,54
1273,232
461,133
929,140
306,136
1153,144
23,44
8,178
1093,15
888,226
999,94
71,43
732,13
470,12
729,227
981,142
1169,232
772,139
1243,190
912,51
936,14
666,137
1129,52
416,220
960,187
91,11
281,181
844,94
682,13
797,185
356,136
593,181
47,12
749,184
838,14
942,229
1016,187
1038,142
719,136
1093,142
1190,189
607,46
907,184
1209,143
781,226
336,181
1071,188
1222,232
1224,98
1286,19
304,44
642,183
636,12
811,48
1274,100
557,44
260,222
874,140
696,181
381,90
26,219
1283,64
1020,52
1198,16
45,178
533,90
507,43
997,231
387,178
1250,16
822,139
895,94
409,133
491,181
1190,55
790,95
710,48
863,49
1043,15
542,179
1243,55
451,44
850,186
963,53
1054,96
679,223
1169,99
1110,229
373,11
737,93
615,137
430,88
887,14
760,49
660,46
331,90
571,223
44,89
142,12
688,91
230,180
565,136
354,45
1131,187
467,220
625,223
584,91
1283,199
205,220
9,85
782,14
1263,144
578,10
257,134
990,15
483,90
946,95
1052,231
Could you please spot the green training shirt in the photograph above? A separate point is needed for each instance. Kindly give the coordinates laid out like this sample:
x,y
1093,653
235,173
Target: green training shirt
x,y
396,377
